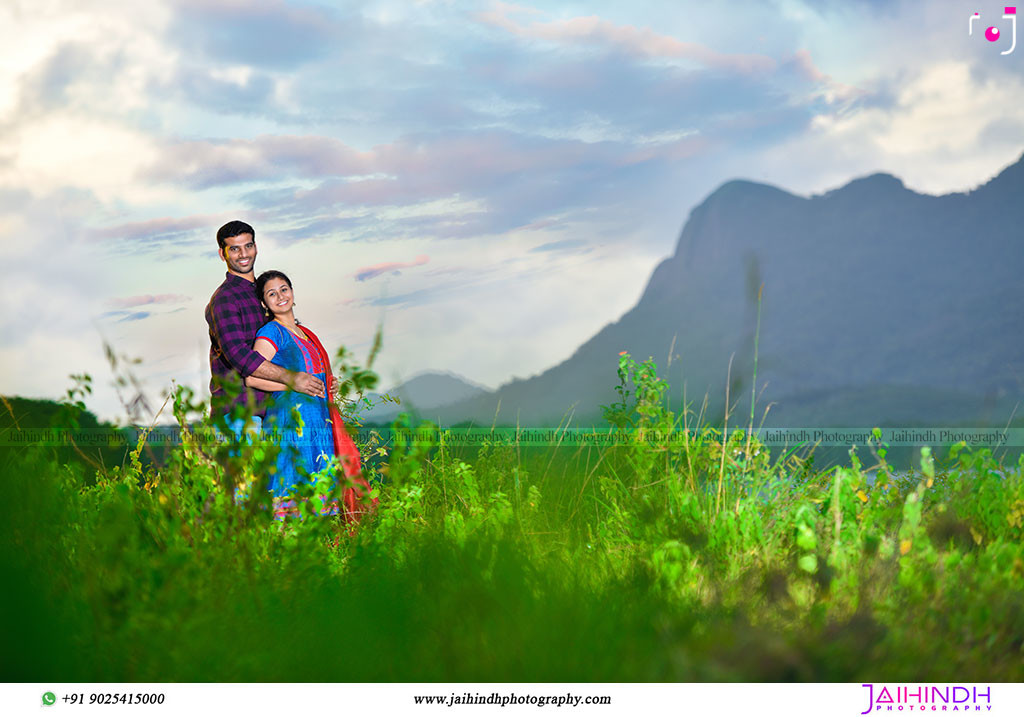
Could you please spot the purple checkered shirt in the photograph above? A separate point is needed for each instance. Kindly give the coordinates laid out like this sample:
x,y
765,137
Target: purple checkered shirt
x,y
234,315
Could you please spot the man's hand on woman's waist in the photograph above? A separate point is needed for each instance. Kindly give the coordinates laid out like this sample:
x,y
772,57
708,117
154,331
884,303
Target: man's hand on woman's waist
x,y
295,380
308,384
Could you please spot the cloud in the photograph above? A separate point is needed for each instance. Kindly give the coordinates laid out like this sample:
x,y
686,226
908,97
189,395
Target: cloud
x,y
931,125
875,6
207,163
317,227
539,225
520,131
162,228
640,42
247,92
71,56
804,65
442,184
128,302
271,34
135,316
412,298
609,97
377,176
515,179
123,316
833,91
130,131
935,134
394,267
458,224
50,84
562,245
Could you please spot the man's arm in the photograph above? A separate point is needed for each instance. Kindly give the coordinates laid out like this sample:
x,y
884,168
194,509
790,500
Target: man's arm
x,y
227,327
265,384
265,348
297,381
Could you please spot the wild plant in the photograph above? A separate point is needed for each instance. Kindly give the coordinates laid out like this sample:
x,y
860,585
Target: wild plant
x,y
684,554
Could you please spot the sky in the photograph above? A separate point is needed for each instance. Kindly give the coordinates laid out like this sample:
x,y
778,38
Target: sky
x,y
491,183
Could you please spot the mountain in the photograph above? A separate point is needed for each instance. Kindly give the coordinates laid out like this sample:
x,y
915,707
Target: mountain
x,y
421,395
59,431
880,306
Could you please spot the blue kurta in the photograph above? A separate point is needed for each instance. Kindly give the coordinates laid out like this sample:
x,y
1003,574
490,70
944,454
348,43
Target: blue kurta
x,y
305,454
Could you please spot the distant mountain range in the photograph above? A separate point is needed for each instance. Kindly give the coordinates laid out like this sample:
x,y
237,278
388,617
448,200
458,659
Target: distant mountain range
x,y
880,306
422,395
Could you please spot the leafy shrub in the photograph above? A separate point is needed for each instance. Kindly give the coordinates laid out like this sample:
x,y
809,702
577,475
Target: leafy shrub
x,y
680,553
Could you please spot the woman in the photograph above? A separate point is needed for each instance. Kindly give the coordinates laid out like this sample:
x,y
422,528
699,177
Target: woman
x,y
310,427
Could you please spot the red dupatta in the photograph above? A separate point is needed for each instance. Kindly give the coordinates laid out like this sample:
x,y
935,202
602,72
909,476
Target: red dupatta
x,y
354,496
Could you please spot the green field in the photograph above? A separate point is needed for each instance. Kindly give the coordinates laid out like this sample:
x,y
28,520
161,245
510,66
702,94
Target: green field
x,y
707,561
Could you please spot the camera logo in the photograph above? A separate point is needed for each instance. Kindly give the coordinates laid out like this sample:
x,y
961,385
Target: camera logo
x,y
992,34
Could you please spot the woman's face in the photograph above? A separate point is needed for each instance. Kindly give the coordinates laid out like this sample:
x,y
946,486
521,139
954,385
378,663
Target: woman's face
x,y
277,295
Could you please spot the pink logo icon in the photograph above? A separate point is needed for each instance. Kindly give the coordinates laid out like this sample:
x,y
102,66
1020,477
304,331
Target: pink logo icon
x,y
992,34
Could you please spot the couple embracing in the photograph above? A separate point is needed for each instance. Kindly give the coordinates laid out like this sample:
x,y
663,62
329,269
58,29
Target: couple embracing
x,y
254,337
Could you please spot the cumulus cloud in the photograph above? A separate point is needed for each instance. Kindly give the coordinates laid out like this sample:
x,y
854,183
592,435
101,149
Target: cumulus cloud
x,y
55,82
937,133
389,267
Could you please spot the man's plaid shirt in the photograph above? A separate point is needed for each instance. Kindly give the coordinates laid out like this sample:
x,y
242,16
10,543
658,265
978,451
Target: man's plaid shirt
x,y
234,315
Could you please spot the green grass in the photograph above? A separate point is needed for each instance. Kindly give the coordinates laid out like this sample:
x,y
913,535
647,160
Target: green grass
x,y
707,561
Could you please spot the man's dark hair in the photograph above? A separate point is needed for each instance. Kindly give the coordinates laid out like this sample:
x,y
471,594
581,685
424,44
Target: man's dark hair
x,y
233,229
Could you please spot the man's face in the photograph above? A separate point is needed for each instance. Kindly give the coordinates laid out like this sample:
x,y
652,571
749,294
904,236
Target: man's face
x,y
240,254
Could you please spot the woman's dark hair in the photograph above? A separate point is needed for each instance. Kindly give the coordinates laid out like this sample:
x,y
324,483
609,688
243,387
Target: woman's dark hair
x,y
261,283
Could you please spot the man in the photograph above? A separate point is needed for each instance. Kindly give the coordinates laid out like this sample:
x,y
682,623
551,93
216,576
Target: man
x,y
234,315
